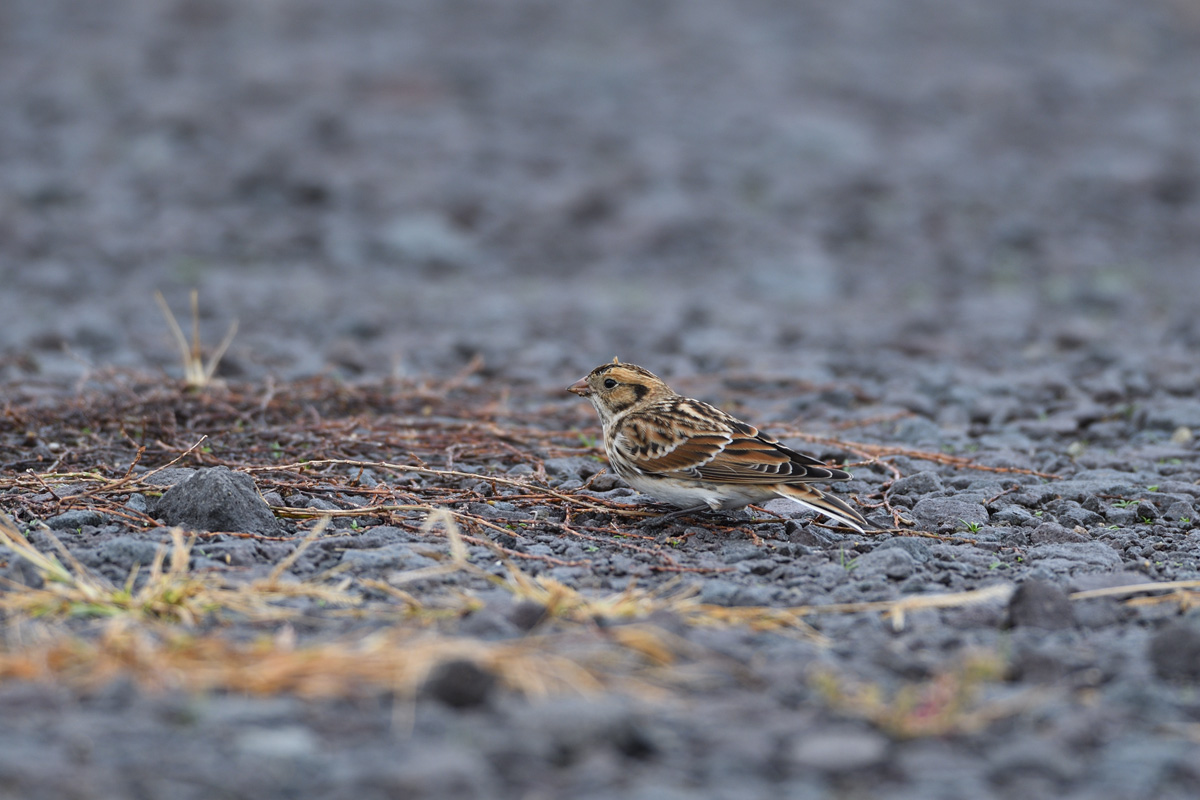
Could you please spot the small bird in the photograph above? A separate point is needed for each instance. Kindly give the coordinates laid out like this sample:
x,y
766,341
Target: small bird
x,y
695,456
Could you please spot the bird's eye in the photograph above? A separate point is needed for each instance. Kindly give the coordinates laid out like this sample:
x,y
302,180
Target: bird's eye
x,y
609,383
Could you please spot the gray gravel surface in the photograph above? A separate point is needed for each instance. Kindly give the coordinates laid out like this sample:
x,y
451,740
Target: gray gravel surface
x,y
962,227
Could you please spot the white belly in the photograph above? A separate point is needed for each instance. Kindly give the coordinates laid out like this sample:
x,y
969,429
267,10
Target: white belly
x,y
689,494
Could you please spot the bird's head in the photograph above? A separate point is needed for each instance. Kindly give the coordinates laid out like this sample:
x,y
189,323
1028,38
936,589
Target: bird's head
x,y
615,388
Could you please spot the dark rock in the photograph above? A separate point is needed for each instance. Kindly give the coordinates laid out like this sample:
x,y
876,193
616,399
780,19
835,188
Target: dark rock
x,y
217,499
948,512
919,484
488,623
892,562
73,520
1040,604
734,553
399,556
1053,533
917,430
1038,666
1146,511
125,551
460,683
169,476
577,467
719,592
138,503
527,614
811,535
1012,515
1181,512
1070,556
1174,652
917,548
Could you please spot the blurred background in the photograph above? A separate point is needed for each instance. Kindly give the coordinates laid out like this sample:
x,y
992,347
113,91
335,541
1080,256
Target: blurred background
x,y
395,188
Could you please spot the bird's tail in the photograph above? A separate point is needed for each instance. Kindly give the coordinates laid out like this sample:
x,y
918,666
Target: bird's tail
x,y
833,507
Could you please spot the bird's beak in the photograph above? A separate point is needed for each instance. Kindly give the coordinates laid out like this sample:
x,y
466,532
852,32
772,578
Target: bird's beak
x,y
580,387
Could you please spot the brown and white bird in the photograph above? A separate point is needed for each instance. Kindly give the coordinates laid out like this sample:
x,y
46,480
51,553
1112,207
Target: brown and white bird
x,y
695,456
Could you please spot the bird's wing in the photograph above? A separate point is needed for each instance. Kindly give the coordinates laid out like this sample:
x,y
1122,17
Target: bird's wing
x,y
685,436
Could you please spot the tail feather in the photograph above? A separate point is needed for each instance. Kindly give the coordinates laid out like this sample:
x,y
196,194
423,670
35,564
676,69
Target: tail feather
x,y
833,507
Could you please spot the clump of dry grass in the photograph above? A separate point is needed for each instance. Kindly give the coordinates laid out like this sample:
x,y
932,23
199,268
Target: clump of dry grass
x,y
196,372
168,592
390,661
949,702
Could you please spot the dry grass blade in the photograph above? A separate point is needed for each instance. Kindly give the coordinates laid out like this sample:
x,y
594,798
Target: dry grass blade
x,y
448,474
947,703
169,592
387,662
1135,588
896,609
286,563
196,372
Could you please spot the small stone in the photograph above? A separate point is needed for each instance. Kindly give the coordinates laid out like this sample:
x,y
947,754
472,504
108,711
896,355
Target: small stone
x,y
72,520
1053,533
840,751
719,592
460,683
1070,556
1175,652
1180,511
917,548
811,535
288,742
217,499
125,551
1040,604
891,562
527,614
921,483
1013,515
949,512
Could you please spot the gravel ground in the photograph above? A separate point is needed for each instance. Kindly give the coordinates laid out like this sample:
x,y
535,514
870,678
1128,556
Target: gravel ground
x,y
960,228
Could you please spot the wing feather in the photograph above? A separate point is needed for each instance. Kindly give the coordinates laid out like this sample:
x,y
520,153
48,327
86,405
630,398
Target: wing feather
x,y
684,436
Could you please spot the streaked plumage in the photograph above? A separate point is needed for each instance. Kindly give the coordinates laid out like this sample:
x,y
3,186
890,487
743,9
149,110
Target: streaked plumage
x,y
693,455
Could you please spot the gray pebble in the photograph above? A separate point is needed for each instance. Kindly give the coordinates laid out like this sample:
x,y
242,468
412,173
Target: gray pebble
x,y
917,548
73,520
1175,651
948,512
1070,556
217,499
838,750
460,683
125,551
1052,533
1040,604
892,562
920,483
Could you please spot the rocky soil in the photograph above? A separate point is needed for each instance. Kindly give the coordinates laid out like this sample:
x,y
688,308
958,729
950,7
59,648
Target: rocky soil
x,y
951,244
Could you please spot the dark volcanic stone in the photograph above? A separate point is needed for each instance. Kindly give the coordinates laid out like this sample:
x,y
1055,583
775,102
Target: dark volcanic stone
x,y
527,614
1175,652
217,499
1040,604
460,684
949,512
70,520
1053,533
